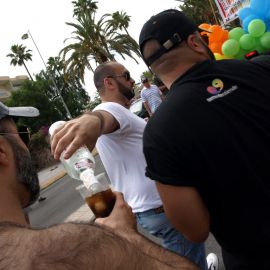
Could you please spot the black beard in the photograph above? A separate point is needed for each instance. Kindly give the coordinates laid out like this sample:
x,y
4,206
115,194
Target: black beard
x,y
125,91
26,174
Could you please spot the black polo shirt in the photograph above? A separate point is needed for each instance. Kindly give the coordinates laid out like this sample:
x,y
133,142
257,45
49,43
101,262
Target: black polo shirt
x,y
213,133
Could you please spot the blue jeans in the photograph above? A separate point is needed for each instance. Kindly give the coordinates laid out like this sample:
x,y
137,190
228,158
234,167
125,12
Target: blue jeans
x,y
159,226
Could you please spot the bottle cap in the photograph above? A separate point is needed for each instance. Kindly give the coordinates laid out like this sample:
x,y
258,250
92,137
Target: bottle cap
x,y
56,125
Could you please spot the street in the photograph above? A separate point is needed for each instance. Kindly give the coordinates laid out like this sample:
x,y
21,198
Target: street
x,y
62,200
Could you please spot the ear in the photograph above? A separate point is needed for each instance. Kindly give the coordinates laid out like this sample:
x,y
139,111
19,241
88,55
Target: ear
x,y
195,44
108,83
5,152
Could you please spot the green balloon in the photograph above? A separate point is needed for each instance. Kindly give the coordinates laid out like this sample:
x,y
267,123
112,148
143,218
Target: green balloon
x,y
236,33
247,42
265,40
258,47
241,54
230,48
256,27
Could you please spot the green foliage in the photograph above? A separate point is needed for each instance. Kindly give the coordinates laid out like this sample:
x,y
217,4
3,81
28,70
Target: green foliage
x,y
19,55
96,40
199,11
94,103
34,94
148,74
72,91
40,150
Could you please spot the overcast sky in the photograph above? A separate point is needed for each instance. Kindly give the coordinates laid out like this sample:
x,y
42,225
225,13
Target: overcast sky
x,y
46,22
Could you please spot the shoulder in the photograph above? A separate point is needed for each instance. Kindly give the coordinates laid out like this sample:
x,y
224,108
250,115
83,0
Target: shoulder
x,y
110,106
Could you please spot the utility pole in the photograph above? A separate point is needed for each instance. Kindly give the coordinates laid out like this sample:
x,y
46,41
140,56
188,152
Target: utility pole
x,y
26,36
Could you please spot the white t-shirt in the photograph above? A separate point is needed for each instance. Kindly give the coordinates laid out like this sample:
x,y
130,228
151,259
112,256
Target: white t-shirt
x,y
122,155
152,97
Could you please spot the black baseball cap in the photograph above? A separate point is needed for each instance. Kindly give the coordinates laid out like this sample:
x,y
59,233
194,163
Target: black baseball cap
x,y
169,28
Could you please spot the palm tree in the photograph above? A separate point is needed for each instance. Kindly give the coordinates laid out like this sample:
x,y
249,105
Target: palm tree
x,y
96,41
19,55
84,8
120,20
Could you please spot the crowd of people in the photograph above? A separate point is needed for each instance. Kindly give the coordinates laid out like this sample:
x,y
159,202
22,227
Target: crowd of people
x,y
205,150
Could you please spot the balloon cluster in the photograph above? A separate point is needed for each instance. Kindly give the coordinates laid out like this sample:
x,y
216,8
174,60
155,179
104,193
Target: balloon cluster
x,y
241,42
258,9
253,35
216,37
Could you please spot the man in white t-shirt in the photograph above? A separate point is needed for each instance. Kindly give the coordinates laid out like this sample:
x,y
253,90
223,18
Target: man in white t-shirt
x,y
117,134
151,96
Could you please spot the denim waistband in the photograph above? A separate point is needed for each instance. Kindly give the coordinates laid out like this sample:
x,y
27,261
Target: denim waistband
x,y
157,210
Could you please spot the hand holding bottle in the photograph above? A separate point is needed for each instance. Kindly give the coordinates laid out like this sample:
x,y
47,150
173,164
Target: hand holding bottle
x,y
84,130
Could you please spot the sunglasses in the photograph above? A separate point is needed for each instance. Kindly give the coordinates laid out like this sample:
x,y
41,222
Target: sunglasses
x,y
125,74
24,135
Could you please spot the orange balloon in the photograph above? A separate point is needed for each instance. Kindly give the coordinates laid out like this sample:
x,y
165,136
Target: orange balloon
x,y
217,33
216,47
225,36
204,26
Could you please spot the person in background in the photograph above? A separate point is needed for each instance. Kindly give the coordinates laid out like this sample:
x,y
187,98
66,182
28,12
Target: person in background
x,y
208,145
112,243
151,96
117,134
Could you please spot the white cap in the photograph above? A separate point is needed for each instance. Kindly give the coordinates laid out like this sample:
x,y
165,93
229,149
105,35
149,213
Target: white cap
x,y
18,111
56,125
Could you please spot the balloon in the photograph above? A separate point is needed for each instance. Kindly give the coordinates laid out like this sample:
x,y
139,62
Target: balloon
x,y
241,54
215,47
236,33
247,42
244,13
230,47
225,36
217,33
218,56
259,6
204,26
256,28
265,40
247,20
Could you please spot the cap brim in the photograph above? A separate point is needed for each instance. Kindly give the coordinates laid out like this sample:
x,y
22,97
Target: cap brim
x,y
23,111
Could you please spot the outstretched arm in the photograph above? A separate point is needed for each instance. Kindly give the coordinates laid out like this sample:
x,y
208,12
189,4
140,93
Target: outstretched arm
x,y
84,130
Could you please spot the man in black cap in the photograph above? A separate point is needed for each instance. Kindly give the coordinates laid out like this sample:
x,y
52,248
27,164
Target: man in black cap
x,y
64,246
208,145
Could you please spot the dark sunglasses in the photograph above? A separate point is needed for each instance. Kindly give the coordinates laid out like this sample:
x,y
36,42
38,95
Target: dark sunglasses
x,y
24,135
125,74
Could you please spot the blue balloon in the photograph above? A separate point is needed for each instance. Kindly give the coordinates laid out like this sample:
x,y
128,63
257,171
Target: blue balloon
x,y
247,20
244,12
259,6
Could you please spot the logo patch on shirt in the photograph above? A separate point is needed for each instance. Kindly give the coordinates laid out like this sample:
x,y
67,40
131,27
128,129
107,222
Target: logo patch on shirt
x,y
216,90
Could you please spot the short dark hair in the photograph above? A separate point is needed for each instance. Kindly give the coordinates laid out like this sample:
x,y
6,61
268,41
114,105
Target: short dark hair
x,y
102,71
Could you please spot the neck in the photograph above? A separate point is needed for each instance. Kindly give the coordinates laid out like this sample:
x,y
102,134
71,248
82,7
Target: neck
x,y
120,100
10,208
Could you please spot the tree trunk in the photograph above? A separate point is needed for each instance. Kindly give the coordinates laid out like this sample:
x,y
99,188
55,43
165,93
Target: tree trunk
x,y
28,71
